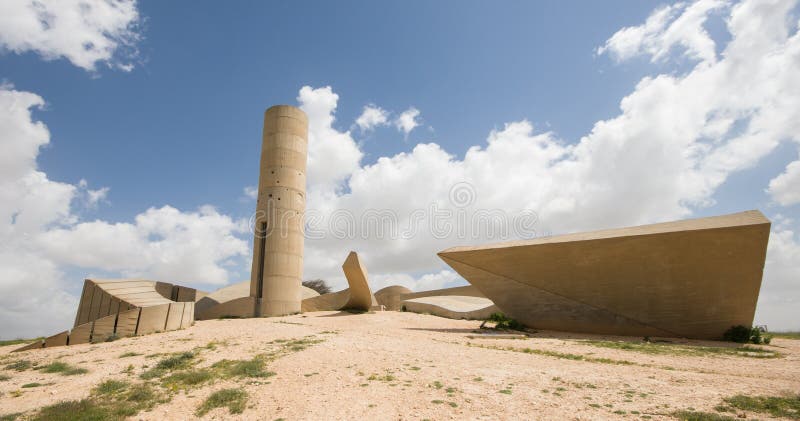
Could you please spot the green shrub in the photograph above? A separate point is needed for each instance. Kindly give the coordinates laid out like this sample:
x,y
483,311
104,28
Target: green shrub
x,y
62,368
743,334
234,399
20,365
503,322
777,406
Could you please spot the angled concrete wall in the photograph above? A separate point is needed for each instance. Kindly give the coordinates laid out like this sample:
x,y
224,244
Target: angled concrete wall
x,y
693,278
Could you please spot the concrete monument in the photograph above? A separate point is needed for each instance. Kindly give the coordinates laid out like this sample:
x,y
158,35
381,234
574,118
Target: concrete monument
x,y
693,278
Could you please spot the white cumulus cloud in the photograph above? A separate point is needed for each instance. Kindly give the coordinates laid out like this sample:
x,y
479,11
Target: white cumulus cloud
x,y
85,32
676,139
372,117
678,25
407,120
785,188
41,234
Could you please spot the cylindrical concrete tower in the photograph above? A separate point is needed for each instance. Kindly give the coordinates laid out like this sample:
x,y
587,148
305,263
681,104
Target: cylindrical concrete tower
x,y
278,247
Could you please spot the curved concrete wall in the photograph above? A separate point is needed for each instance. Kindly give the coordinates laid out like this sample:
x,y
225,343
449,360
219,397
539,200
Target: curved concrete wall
x,y
452,306
392,297
277,267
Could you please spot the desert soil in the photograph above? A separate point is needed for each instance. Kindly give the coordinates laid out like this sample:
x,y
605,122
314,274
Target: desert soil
x,y
393,365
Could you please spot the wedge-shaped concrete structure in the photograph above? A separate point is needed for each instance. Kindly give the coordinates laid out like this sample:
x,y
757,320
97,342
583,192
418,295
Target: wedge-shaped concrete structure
x,y
694,278
112,308
357,296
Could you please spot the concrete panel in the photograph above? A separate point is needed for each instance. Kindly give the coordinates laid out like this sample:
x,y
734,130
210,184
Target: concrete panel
x,y
104,328
693,278
164,290
85,304
185,294
174,316
188,315
152,319
81,334
59,339
113,308
126,322
97,299
105,304
38,344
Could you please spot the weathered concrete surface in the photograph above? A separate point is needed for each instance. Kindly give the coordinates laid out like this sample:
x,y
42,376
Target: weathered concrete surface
x,y
277,268
127,307
59,339
357,296
104,328
233,301
360,297
391,297
452,306
693,278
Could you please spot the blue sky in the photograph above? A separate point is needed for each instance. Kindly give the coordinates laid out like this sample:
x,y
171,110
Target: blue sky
x,y
171,117
183,127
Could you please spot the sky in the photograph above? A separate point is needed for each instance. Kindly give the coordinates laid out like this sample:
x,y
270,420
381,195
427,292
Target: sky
x,y
130,134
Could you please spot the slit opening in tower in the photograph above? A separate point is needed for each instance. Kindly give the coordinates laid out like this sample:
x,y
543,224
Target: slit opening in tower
x,y
261,248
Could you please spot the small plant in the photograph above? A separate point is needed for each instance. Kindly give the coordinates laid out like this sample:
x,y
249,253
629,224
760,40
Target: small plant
x,y
4,377
62,368
243,368
111,386
173,362
28,385
186,379
505,391
234,399
503,322
777,406
128,354
20,365
180,360
743,334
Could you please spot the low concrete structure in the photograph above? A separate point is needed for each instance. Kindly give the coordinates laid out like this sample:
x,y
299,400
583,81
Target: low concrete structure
x,y
112,308
452,306
693,278
233,301
392,297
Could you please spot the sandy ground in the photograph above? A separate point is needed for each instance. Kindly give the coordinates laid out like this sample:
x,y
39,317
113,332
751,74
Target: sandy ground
x,y
330,380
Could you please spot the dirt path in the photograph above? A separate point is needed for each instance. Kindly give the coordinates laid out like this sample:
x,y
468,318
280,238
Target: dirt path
x,y
392,365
